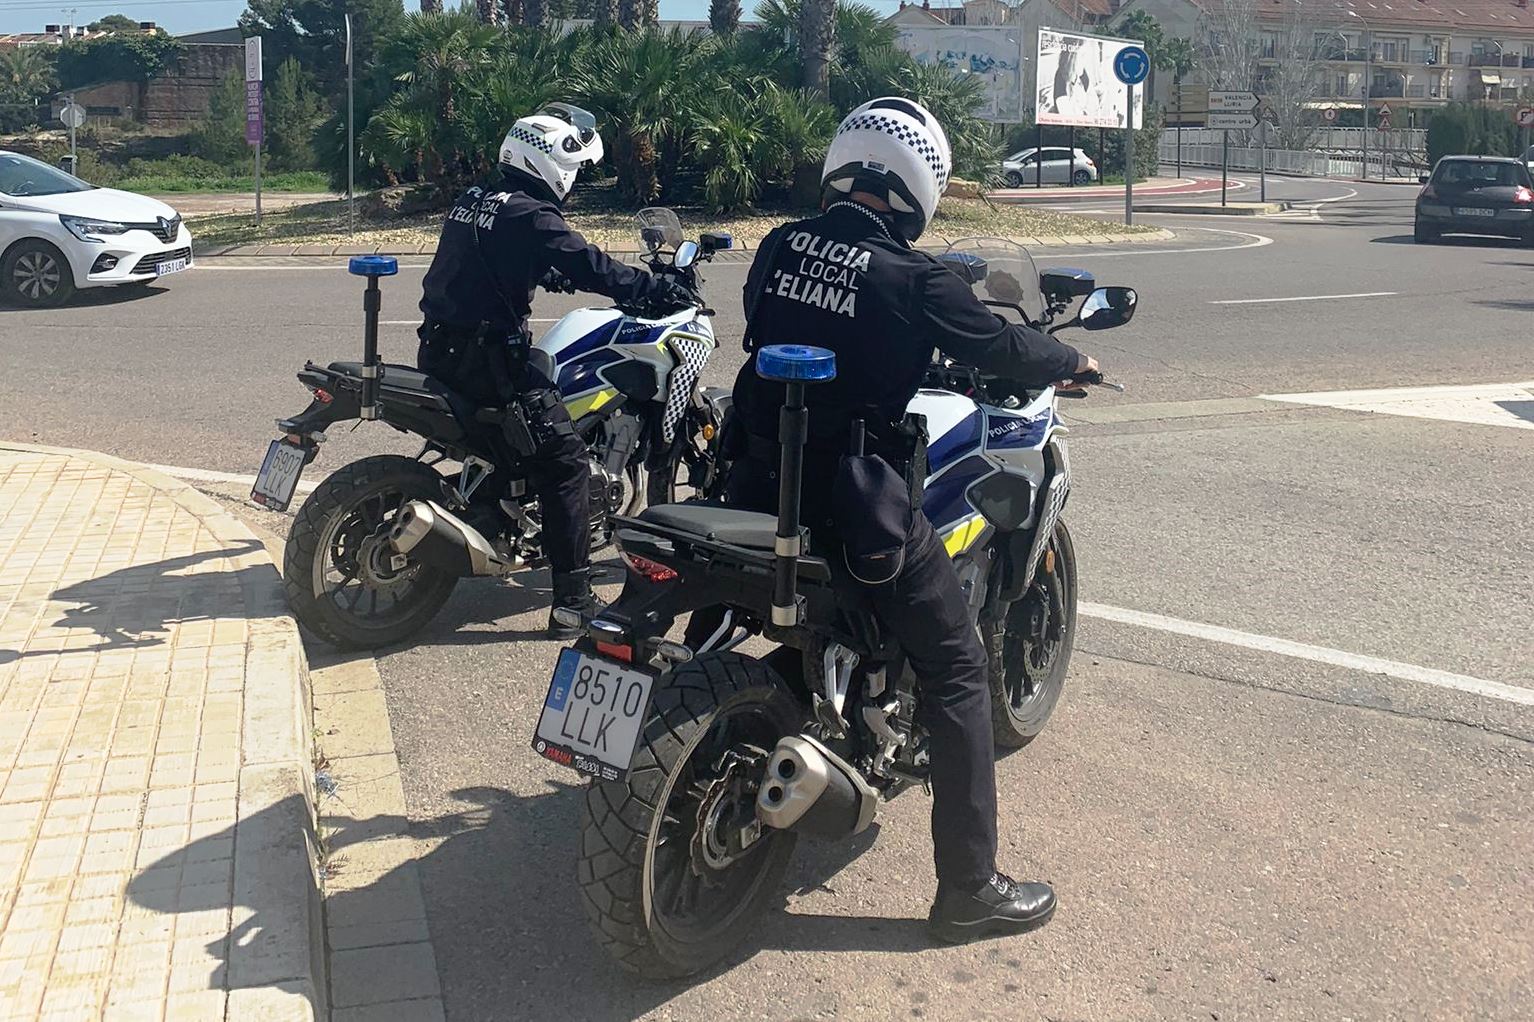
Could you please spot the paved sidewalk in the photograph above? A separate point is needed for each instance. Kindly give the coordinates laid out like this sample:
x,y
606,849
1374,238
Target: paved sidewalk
x,y
157,851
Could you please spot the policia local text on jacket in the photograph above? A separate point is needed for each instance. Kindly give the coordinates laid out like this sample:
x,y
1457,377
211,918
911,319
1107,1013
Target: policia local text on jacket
x,y
496,246
843,281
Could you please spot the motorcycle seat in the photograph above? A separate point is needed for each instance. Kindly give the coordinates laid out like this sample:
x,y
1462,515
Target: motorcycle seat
x,y
423,388
751,530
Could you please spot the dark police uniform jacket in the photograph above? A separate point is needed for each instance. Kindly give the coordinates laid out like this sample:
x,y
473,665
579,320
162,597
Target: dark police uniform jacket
x,y
843,281
522,235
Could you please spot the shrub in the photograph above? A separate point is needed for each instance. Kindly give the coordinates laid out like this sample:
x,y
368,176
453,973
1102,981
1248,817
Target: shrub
x,y
1471,129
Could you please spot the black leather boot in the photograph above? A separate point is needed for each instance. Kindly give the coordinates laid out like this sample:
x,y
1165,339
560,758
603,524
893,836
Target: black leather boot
x,y
999,906
572,589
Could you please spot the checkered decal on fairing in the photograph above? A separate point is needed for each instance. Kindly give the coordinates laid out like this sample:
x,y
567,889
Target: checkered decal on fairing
x,y
693,353
918,140
536,141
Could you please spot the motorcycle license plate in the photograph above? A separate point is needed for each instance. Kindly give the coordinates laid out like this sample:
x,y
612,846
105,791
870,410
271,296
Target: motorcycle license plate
x,y
278,478
592,715
1470,211
170,266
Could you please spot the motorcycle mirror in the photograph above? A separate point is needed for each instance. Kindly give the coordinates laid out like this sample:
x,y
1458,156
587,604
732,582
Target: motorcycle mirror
x,y
1108,307
686,255
716,241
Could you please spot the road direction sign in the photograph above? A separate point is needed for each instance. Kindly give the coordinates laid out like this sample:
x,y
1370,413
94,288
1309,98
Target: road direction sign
x,y
1525,117
72,115
1232,109
1131,65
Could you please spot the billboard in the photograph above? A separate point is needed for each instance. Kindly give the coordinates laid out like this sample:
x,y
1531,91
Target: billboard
x,y
1075,84
992,53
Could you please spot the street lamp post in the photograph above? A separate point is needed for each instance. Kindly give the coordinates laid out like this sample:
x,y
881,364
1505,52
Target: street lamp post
x,y
1367,37
1499,69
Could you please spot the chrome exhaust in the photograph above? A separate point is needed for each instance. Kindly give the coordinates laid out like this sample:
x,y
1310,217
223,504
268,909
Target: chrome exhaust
x,y
431,534
810,789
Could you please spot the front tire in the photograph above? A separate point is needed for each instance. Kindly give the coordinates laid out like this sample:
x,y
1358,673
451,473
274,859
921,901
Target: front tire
x,y
655,899
36,275
1014,179
336,569
1030,647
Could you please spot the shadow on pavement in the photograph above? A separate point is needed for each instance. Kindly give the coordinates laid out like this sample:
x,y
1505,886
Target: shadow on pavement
x,y
128,606
1450,241
1510,304
97,298
1523,409
506,915
195,887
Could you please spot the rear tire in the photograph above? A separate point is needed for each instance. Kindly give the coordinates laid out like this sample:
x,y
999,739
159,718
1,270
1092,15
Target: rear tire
x,y
638,836
338,530
36,275
1030,648
1423,235
1082,177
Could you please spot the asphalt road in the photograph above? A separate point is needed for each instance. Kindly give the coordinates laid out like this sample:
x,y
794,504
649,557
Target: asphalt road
x,y
1235,833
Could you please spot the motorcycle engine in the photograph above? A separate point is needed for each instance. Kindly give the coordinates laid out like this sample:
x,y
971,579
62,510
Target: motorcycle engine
x,y
609,490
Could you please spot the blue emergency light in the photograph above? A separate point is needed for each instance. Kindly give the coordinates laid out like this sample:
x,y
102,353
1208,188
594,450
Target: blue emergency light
x,y
373,266
795,363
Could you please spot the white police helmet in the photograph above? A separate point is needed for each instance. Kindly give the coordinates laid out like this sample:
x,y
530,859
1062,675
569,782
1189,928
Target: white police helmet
x,y
552,145
895,149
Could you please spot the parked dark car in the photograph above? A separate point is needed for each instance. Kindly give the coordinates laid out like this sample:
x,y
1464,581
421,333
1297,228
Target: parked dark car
x,y
1476,195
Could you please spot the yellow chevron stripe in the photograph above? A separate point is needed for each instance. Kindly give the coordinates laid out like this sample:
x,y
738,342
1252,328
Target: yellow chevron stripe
x,y
963,536
588,403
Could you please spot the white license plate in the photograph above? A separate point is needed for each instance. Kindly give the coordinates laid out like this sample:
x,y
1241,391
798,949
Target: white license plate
x,y
592,715
278,478
1470,211
170,266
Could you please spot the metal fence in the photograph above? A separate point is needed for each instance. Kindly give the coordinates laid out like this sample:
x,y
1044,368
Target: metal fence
x,y
1326,140
1282,161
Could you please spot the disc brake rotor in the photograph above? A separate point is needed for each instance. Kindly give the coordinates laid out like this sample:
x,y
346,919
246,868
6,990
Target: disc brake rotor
x,y
720,837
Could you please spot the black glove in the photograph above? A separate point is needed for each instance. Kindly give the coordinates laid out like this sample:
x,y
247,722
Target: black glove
x,y
554,281
671,294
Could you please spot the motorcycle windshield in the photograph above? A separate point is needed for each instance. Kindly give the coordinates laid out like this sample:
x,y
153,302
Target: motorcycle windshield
x,y
659,227
998,270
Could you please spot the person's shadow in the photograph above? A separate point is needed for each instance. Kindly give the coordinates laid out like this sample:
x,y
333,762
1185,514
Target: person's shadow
x,y
502,904
132,607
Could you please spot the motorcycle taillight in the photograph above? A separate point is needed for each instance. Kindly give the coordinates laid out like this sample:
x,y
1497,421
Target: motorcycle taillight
x,y
650,571
321,395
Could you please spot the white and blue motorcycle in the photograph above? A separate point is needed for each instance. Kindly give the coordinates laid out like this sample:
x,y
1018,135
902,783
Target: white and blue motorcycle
x,y
705,764
377,548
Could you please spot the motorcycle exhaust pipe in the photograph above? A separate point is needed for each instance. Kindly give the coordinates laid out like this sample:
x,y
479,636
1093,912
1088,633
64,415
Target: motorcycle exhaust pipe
x,y
811,790
434,536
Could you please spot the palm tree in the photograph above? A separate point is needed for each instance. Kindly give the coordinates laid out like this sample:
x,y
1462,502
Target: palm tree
x,y
487,11
630,13
535,13
724,16
604,12
1144,27
431,6
817,38
25,75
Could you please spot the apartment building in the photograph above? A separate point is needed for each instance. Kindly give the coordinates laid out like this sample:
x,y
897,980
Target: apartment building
x,y
1407,54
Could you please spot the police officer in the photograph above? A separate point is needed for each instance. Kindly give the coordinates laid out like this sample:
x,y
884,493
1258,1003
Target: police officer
x,y
850,281
497,244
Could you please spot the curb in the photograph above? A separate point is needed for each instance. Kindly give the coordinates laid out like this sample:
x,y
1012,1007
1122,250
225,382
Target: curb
x,y
1212,209
280,972
289,249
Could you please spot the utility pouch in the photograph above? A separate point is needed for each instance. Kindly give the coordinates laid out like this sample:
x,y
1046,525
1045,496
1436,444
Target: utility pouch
x,y
518,433
873,515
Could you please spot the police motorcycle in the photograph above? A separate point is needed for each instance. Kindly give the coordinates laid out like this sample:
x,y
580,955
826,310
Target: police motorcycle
x,y
376,549
705,764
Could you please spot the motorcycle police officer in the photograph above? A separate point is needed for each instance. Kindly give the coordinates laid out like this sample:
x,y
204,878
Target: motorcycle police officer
x,y
497,244
850,281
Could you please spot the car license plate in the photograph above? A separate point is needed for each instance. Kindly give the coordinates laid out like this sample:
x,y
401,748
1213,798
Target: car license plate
x,y
592,715
1471,211
170,266
278,478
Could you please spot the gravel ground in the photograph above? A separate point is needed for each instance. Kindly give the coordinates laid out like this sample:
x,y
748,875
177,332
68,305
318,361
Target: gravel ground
x,y
326,222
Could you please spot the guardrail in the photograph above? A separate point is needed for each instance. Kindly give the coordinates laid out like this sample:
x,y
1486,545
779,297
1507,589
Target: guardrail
x,y
1325,140
1287,161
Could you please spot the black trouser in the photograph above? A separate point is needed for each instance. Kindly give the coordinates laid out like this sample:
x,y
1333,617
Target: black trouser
x,y
552,452
924,606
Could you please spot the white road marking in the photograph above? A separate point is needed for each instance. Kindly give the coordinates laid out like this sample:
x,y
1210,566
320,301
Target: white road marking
x,y
1303,298
205,475
1252,241
1316,654
1482,404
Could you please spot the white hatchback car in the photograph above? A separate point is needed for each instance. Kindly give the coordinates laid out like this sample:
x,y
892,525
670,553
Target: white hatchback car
x,y
1052,165
58,233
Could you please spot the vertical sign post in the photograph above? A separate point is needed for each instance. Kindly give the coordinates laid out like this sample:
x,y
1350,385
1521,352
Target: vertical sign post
x,y
1131,65
1230,111
253,109
351,145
